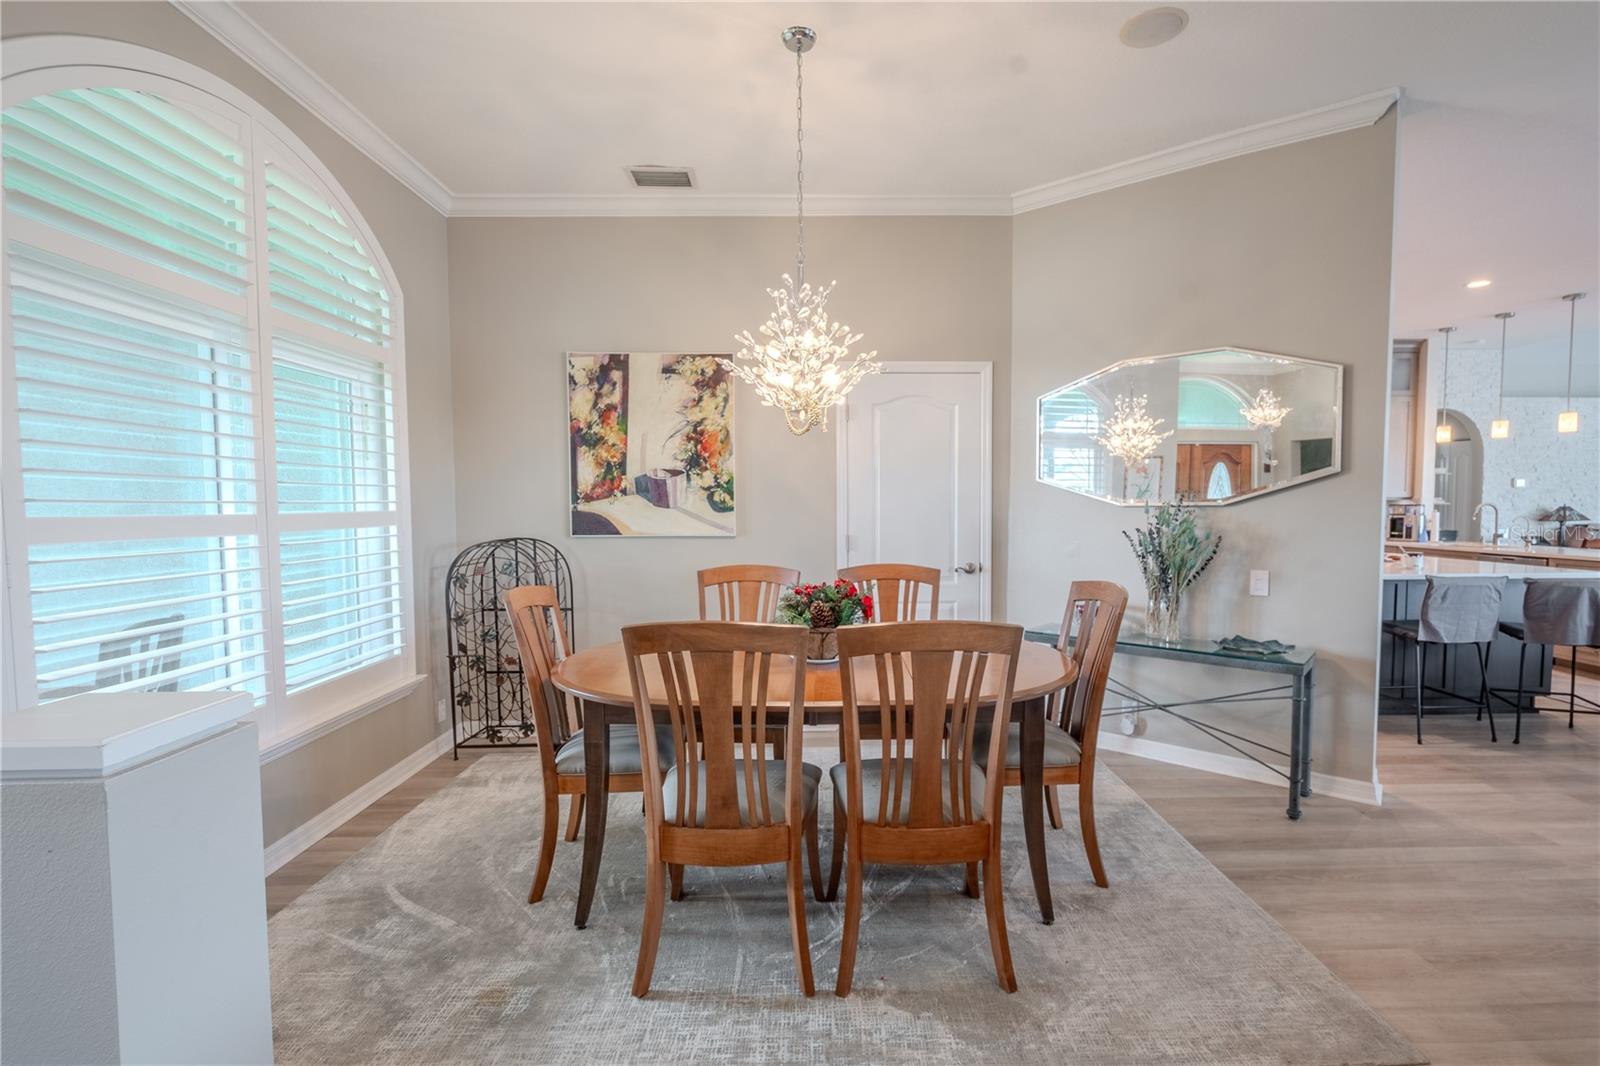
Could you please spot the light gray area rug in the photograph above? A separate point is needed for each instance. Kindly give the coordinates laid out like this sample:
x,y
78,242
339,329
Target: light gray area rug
x,y
422,949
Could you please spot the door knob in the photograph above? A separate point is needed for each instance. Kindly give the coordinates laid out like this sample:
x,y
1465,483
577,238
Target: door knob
x,y
968,568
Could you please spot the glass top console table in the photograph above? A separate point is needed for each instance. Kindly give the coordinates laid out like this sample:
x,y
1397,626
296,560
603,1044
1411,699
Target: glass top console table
x,y
1297,667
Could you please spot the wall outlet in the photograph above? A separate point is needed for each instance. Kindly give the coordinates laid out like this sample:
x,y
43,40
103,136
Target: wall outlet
x,y
1519,482
442,713
1258,582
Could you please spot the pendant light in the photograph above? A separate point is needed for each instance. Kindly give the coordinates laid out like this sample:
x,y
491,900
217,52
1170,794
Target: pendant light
x,y
1500,428
1567,420
803,366
1442,433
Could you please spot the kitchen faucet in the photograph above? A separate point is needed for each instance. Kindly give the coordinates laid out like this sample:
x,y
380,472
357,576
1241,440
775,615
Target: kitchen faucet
x,y
1494,539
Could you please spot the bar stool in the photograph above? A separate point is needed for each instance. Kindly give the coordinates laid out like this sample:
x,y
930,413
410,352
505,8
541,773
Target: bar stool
x,y
1461,609
1557,612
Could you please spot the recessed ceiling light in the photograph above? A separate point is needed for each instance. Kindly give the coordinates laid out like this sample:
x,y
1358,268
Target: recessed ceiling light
x,y
1156,26
1479,283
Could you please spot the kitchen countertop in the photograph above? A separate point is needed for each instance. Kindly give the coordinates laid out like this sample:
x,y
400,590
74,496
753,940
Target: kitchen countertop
x,y
1418,567
1470,547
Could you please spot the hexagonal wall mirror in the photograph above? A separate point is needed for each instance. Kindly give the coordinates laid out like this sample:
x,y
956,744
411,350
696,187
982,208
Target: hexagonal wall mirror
x,y
1211,427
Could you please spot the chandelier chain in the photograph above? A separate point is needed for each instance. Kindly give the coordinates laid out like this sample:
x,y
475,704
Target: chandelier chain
x,y
800,167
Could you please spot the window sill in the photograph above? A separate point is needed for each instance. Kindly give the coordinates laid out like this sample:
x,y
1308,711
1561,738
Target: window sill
x,y
338,718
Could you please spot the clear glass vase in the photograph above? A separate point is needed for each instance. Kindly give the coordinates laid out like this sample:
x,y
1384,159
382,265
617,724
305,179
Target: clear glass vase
x,y
1161,617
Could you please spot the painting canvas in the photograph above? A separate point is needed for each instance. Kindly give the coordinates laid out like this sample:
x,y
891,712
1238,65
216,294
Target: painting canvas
x,y
1142,481
650,438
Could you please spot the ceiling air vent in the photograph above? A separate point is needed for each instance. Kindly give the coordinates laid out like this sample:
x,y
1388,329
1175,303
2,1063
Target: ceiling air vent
x,y
653,177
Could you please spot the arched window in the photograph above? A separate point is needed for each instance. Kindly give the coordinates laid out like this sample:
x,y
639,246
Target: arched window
x,y
1069,420
1204,403
1219,486
205,360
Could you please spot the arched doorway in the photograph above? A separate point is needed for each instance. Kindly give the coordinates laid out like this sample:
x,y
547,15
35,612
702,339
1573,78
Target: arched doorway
x,y
1458,478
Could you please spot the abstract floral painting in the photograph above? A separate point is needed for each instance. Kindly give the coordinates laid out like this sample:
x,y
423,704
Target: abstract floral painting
x,y
651,443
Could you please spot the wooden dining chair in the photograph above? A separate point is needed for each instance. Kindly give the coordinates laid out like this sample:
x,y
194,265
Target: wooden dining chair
x,y
722,802
896,589
1088,635
542,643
925,800
746,592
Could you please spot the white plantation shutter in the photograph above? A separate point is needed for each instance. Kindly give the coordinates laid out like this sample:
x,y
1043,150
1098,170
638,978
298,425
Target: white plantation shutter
x,y
1068,455
203,489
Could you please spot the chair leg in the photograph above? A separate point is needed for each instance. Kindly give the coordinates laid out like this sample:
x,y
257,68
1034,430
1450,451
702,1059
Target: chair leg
x,y
970,885
1091,842
1522,664
547,845
1052,799
655,893
814,854
1572,687
1422,661
574,815
675,874
797,908
994,906
851,935
837,866
1483,691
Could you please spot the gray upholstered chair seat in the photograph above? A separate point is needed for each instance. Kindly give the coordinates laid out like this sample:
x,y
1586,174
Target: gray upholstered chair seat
x,y
1403,627
1059,747
777,791
626,758
872,789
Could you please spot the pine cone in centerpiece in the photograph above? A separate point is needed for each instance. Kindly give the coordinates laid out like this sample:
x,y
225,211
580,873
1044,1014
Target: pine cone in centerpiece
x,y
823,616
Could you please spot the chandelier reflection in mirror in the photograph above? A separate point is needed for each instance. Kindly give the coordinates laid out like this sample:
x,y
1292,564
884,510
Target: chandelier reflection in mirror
x,y
1131,434
1265,411
803,366
1211,427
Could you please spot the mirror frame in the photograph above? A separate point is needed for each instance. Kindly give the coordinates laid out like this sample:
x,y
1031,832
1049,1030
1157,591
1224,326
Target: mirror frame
x,y
1303,479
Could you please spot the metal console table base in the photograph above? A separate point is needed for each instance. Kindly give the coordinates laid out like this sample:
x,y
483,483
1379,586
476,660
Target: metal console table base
x,y
1297,692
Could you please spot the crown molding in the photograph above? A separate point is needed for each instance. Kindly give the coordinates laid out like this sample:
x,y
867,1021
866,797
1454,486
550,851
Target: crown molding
x,y
1318,122
228,24
691,203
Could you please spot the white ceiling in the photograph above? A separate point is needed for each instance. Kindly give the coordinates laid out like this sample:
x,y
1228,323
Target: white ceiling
x,y
967,104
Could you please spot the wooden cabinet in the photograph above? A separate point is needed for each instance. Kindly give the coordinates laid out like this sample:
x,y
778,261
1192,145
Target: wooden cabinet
x,y
1398,464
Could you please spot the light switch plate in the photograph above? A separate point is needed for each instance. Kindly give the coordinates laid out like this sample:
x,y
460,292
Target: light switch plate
x,y
1258,582
1519,482
442,711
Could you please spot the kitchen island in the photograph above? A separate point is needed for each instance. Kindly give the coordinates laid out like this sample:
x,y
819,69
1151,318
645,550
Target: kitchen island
x,y
1404,581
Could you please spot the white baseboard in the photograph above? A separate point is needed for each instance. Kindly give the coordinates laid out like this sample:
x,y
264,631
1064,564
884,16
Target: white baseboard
x,y
1345,788
300,838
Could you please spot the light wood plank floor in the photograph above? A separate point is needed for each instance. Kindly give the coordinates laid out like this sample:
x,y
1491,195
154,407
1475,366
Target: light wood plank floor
x,y
1466,909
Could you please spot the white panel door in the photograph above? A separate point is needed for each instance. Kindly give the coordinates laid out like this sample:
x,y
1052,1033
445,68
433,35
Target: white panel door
x,y
914,474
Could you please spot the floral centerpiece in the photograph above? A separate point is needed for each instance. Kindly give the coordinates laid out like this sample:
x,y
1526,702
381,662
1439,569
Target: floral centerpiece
x,y
1172,553
823,609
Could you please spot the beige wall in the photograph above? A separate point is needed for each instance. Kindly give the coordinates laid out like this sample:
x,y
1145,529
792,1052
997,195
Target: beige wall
x,y
301,784
526,291
1287,251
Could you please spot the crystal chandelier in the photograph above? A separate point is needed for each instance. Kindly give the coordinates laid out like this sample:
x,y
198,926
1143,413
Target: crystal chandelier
x,y
803,363
1265,411
1131,433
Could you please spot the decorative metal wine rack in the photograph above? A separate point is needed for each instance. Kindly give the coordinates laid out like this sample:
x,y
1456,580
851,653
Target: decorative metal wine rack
x,y
489,705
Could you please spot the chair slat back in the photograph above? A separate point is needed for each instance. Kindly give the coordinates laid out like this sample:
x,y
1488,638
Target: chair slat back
x,y
716,681
930,679
896,589
1089,629
745,592
542,644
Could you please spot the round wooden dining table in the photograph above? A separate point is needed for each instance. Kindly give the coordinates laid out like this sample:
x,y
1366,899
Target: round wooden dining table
x,y
597,678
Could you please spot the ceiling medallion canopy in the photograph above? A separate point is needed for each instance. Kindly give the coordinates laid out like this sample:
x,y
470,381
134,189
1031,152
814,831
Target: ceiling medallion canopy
x,y
1266,411
1131,433
802,364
